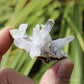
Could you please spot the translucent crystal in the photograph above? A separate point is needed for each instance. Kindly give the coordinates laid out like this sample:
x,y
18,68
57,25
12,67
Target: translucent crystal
x,y
40,44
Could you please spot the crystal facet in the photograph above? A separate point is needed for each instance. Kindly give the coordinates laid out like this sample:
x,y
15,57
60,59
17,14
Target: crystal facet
x,y
40,44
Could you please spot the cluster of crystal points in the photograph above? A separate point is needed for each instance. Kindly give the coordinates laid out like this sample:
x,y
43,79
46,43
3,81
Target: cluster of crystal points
x,y
40,43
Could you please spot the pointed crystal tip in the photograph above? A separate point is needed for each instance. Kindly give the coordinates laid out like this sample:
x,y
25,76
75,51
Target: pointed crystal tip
x,y
70,37
49,25
51,20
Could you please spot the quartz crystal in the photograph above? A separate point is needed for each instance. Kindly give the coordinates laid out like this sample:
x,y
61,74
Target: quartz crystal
x,y
40,44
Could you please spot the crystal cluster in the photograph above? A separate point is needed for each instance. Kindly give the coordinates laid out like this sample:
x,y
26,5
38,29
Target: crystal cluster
x,y
40,44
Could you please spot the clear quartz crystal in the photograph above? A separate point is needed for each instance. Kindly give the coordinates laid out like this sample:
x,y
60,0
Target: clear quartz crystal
x,y
40,44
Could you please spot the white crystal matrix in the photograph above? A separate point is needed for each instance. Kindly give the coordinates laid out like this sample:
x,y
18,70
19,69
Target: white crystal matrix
x,y
40,43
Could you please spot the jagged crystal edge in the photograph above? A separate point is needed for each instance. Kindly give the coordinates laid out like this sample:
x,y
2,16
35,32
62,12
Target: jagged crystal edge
x,y
40,42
